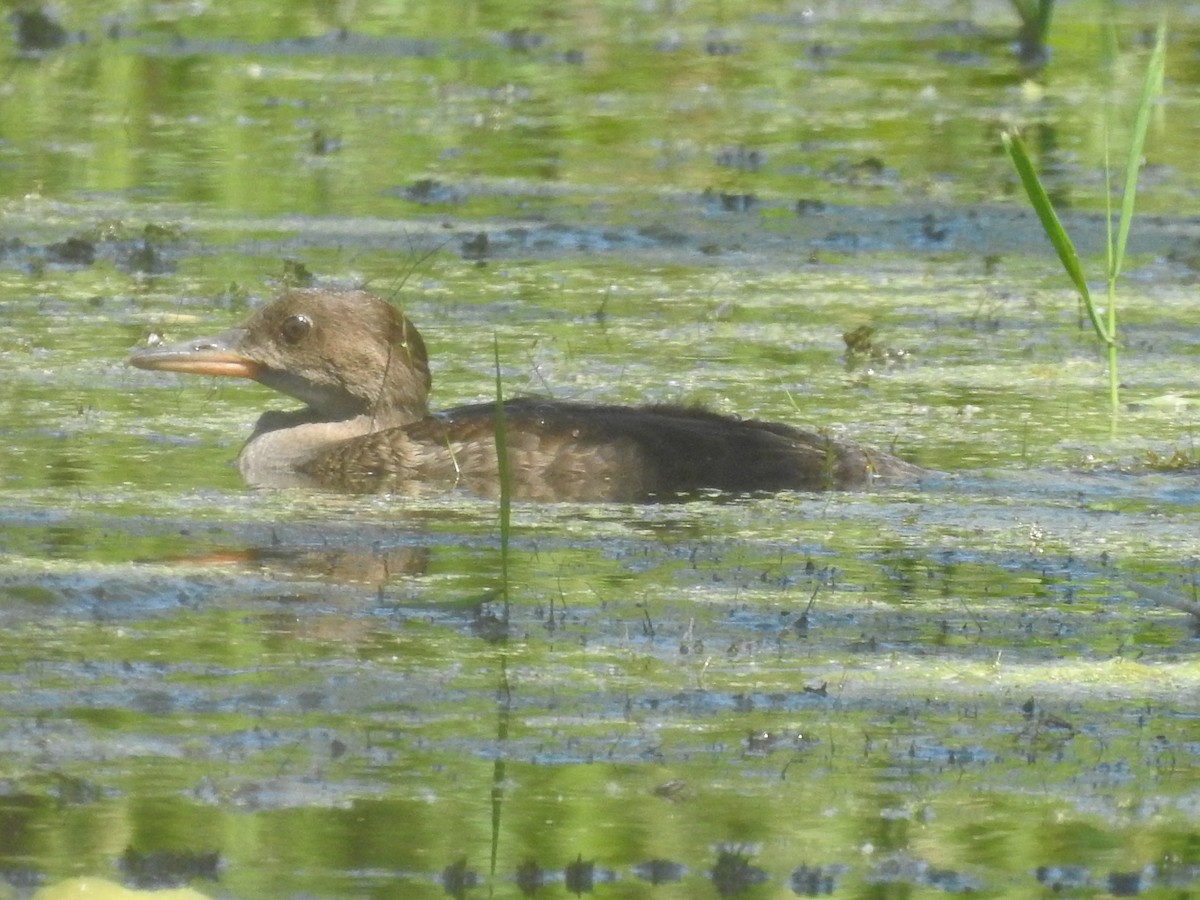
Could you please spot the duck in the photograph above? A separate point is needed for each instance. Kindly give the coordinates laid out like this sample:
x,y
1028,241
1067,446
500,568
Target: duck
x,y
361,370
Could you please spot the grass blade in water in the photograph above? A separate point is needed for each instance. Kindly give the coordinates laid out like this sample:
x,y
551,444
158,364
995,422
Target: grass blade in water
x,y
1052,226
1151,88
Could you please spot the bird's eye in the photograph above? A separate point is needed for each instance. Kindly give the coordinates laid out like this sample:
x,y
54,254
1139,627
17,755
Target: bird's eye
x,y
295,328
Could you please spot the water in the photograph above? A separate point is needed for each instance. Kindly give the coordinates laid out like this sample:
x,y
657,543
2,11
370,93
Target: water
x,y
921,691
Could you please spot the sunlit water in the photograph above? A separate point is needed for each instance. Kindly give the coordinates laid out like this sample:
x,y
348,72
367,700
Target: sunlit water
x,y
970,686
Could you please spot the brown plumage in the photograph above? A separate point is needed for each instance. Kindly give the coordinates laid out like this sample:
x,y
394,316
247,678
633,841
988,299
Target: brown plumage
x,y
362,369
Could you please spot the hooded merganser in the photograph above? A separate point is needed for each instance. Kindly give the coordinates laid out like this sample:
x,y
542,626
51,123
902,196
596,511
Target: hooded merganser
x,y
361,369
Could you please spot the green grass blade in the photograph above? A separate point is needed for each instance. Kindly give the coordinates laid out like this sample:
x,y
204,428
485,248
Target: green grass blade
x,y
1044,12
1035,14
1051,225
1151,88
505,475
1110,51
1109,243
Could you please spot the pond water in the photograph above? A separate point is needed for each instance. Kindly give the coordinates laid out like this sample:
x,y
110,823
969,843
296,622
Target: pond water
x,y
990,683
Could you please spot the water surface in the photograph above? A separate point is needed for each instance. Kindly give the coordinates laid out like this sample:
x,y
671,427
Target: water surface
x,y
968,686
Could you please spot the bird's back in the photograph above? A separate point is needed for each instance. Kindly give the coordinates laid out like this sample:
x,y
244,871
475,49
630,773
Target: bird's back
x,y
571,451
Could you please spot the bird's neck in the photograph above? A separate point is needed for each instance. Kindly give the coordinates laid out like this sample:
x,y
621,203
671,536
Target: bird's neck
x,y
283,441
